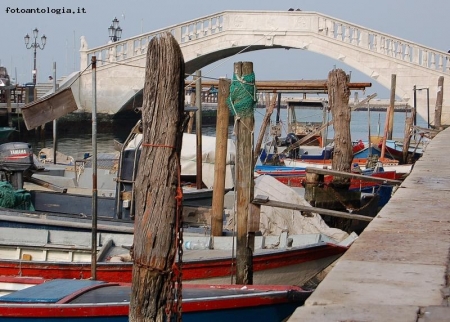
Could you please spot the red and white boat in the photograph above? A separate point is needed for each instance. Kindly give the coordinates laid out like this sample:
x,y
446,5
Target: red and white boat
x,y
49,254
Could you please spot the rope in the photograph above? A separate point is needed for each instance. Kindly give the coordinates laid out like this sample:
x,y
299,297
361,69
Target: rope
x,y
242,98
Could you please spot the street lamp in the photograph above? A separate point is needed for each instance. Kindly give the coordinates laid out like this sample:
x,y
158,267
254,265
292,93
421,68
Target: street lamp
x,y
35,45
115,32
428,103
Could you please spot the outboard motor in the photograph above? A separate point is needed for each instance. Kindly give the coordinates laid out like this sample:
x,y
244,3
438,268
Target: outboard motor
x,y
291,139
15,159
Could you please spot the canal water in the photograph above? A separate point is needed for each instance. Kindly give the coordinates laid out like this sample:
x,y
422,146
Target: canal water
x,y
75,138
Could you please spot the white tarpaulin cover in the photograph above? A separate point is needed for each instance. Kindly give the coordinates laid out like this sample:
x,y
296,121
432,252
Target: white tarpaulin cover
x,y
273,220
188,158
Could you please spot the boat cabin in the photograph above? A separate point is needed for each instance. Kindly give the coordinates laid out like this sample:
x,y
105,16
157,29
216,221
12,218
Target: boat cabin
x,y
307,116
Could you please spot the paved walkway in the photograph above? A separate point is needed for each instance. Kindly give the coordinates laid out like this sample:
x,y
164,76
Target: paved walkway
x,y
398,269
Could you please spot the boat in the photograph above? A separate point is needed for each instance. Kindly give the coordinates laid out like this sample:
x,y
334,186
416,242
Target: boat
x,y
278,171
394,150
82,300
55,253
289,249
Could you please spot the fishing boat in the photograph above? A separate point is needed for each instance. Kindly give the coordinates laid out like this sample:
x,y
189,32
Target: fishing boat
x,y
87,300
55,253
394,150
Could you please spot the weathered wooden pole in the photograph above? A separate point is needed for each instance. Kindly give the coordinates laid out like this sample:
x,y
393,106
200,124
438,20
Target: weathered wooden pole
x,y
438,108
157,229
391,107
94,170
407,138
221,158
242,101
338,96
198,128
55,121
265,122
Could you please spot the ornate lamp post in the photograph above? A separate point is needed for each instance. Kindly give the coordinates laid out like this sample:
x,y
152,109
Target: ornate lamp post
x,y
115,32
35,45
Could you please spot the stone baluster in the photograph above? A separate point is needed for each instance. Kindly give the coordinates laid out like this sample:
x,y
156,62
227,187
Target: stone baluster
x,y
433,61
355,37
182,35
332,29
192,28
214,25
375,43
416,55
339,32
441,63
447,68
207,28
99,57
392,48
198,30
383,45
425,58
388,47
347,34
407,53
399,50
112,53
129,49
119,51
144,43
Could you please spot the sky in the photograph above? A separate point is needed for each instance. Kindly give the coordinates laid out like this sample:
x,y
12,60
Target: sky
x,y
425,23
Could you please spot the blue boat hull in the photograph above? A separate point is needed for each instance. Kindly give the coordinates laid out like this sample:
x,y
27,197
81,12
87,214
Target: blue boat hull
x,y
88,300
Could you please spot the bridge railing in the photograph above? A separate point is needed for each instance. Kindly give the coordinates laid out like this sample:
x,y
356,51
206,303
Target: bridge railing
x,y
137,46
338,30
384,44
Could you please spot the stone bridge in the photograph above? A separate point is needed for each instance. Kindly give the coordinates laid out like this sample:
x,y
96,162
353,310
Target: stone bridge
x,y
121,65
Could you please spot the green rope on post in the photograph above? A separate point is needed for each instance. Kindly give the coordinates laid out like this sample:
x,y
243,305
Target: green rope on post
x,y
242,97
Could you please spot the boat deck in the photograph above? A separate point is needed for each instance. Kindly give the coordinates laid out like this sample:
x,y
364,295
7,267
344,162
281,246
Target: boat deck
x,y
398,269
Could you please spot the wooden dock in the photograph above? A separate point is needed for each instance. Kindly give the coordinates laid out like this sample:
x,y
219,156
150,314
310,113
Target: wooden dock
x,y
398,269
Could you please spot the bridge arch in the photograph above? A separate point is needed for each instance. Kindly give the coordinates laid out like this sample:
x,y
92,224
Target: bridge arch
x,y
120,70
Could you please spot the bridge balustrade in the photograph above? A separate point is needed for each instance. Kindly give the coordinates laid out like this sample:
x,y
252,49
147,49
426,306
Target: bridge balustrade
x,y
137,46
321,25
383,44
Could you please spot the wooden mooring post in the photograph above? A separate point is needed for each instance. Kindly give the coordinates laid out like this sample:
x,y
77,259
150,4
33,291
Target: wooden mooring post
x,y
242,101
221,156
439,100
158,230
336,195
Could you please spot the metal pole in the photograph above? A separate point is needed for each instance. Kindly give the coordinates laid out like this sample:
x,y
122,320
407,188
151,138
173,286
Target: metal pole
x,y
55,146
415,105
94,169
34,69
428,108
198,128
415,110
